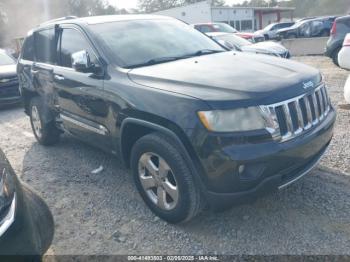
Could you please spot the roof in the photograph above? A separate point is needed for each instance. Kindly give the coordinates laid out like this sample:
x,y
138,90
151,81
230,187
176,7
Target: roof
x,y
101,19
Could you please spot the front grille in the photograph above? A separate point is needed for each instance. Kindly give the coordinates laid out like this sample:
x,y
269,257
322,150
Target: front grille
x,y
299,114
8,81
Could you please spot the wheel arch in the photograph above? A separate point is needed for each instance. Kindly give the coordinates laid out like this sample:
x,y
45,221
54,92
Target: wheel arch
x,y
133,129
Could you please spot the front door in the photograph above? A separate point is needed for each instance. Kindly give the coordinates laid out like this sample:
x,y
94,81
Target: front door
x,y
79,95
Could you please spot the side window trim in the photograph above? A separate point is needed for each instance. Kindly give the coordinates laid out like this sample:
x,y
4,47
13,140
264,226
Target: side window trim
x,y
83,34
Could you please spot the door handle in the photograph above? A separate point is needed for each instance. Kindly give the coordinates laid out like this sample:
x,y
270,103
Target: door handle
x,y
59,77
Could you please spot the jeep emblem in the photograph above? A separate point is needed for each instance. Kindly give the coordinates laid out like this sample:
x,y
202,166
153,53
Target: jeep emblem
x,y
307,85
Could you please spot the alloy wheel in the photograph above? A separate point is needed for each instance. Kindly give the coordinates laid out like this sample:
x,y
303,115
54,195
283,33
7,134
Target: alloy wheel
x,y
37,127
158,181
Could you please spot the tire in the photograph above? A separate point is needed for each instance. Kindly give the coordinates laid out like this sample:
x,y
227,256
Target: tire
x,y
45,132
189,201
335,56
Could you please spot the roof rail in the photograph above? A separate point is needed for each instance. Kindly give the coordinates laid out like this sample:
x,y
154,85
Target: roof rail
x,y
58,20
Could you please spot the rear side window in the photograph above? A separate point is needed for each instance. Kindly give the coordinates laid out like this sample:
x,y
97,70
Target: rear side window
x,y
45,46
73,41
28,49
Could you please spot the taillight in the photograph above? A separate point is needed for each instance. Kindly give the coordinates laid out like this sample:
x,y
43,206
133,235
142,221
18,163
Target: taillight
x,y
347,40
334,28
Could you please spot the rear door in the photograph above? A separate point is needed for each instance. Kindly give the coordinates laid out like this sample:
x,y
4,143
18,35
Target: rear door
x,y
45,49
25,64
80,94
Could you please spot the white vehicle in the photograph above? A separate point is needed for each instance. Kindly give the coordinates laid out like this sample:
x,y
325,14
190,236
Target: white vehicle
x,y
344,62
347,90
344,54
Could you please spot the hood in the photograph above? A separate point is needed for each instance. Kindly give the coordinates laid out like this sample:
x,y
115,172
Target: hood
x,y
229,76
8,70
265,47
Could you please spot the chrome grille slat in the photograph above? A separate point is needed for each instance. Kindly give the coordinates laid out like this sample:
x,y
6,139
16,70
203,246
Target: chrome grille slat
x,y
299,114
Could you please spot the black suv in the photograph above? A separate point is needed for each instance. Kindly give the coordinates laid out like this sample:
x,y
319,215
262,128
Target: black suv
x,y
340,28
194,121
316,27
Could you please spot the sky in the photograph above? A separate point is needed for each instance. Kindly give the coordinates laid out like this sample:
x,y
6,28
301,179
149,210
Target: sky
x,y
127,4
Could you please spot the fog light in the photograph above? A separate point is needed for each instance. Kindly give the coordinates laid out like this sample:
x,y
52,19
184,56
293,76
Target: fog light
x,y
241,169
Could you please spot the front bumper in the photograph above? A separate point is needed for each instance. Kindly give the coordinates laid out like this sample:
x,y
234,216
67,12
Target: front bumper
x,y
31,232
9,94
237,172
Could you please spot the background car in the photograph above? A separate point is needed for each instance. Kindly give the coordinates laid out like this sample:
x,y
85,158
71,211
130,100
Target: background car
x,y
347,91
341,27
26,223
344,54
270,31
317,27
235,42
9,88
225,28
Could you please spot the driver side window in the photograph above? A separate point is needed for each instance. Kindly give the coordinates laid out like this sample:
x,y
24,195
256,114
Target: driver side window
x,y
73,41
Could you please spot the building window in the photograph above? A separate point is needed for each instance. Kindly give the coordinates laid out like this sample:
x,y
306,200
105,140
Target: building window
x,y
246,25
238,25
183,13
234,11
232,23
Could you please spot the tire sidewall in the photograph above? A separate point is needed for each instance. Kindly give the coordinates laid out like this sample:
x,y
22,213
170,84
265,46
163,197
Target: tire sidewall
x,y
36,102
180,212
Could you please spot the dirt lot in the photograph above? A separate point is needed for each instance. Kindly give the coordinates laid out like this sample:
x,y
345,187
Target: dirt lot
x,y
103,214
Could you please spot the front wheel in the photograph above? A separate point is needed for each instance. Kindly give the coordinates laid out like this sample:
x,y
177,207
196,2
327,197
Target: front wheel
x,y
164,180
45,132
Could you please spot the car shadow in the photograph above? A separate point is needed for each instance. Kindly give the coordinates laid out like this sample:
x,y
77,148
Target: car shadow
x,y
310,217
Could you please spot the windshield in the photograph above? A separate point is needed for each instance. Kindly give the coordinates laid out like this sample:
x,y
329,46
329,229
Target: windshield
x,y
233,40
6,59
136,43
269,27
224,28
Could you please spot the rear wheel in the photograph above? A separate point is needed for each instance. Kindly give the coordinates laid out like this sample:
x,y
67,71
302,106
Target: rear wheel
x,y
44,131
164,180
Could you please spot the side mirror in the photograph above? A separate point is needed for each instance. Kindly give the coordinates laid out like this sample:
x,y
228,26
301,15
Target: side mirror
x,y
81,61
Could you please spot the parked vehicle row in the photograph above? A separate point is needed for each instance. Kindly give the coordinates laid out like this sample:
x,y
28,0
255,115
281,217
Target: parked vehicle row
x,y
234,42
315,27
194,122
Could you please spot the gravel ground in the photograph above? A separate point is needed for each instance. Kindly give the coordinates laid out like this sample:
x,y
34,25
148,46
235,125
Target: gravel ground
x,y
103,214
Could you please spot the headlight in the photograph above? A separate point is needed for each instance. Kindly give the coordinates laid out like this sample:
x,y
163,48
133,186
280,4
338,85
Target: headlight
x,y
238,120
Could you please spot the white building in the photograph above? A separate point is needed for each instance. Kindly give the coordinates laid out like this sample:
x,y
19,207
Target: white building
x,y
241,18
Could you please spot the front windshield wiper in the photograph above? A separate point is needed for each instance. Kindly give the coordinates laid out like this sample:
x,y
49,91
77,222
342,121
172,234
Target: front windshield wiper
x,y
205,52
165,59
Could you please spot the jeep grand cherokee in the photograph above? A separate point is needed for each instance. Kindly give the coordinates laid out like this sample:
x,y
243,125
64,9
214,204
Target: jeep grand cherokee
x,y
194,122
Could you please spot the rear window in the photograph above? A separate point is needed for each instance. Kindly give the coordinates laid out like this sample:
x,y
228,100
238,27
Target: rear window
x,y
28,49
45,46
